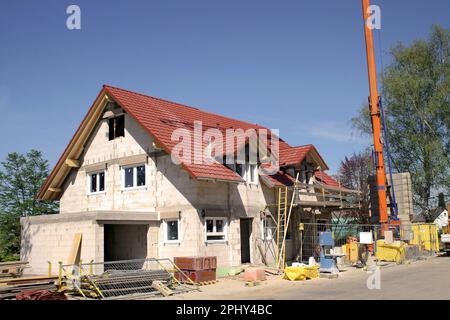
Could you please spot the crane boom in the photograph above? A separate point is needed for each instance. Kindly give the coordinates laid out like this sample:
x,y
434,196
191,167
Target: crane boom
x,y
375,116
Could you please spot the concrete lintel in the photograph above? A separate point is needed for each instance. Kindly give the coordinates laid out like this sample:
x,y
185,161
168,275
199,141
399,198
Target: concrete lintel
x,y
95,216
56,218
103,222
123,216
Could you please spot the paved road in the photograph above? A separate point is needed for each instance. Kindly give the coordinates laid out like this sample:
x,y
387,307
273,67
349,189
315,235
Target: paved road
x,y
426,279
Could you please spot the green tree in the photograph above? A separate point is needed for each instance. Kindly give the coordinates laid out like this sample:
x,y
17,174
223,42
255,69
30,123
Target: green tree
x,y
20,179
416,96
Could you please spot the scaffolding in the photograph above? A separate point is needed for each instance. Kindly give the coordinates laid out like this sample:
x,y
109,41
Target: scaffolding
x,y
314,196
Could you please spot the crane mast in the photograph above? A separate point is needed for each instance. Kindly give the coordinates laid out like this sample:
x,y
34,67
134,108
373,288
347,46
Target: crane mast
x,y
375,116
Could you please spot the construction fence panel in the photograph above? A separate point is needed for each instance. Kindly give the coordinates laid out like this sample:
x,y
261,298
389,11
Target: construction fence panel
x,y
414,240
422,239
342,233
118,279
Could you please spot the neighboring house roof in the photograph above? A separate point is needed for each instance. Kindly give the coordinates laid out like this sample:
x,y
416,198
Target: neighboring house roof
x,y
431,216
160,118
418,218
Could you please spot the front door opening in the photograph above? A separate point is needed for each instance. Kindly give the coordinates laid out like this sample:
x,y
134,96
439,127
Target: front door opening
x,y
246,231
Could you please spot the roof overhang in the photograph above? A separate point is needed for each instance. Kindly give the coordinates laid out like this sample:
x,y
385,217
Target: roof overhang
x,y
51,189
313,156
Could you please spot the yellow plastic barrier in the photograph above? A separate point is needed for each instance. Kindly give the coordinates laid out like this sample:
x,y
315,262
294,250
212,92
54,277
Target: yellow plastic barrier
x,y
425,236
395,252
301,273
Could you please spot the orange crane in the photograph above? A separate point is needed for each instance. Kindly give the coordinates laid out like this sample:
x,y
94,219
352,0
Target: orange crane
x,y
375,115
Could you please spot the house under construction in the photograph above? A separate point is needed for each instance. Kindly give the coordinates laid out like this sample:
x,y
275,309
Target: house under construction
x,y
117,184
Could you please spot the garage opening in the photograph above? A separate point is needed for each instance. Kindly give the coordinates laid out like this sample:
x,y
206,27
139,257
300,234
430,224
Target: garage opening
x,y
125,241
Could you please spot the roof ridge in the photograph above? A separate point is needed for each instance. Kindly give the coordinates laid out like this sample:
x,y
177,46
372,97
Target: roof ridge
x,y
152,97
184,105
304,145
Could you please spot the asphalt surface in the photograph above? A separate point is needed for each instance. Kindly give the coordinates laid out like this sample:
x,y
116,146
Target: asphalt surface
x,y
424,279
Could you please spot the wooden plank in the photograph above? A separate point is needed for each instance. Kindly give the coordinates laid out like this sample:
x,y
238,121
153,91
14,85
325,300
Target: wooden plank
x,y
73,163
27,279
325,187
13,263
319,203
75,251
327,195
27,285
261,251
271,271
325,204
163,289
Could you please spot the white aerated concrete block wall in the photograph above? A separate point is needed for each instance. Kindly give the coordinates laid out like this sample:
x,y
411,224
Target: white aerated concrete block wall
x,y
52,241
169,188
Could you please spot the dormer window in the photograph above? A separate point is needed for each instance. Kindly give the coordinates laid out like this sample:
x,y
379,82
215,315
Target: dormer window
x,y
240,169
252,173
248,171
116,127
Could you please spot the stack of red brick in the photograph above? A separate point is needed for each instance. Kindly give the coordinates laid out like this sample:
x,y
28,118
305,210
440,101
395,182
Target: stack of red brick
x,y
198,269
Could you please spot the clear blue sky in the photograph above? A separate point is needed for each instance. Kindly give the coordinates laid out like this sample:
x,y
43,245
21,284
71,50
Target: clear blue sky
x,y
294,65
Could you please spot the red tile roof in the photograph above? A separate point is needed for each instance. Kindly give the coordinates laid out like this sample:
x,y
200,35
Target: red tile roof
x,y
326,179
293,155
280,179
161,117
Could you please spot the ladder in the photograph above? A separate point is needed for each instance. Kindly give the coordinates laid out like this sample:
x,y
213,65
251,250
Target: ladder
x,y
281,225
284,216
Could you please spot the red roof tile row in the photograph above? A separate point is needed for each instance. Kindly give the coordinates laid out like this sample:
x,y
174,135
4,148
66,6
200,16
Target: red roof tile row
x,y
326,179
161,117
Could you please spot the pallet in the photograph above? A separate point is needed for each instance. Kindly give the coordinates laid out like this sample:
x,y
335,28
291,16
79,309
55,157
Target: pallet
x,y
12,268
